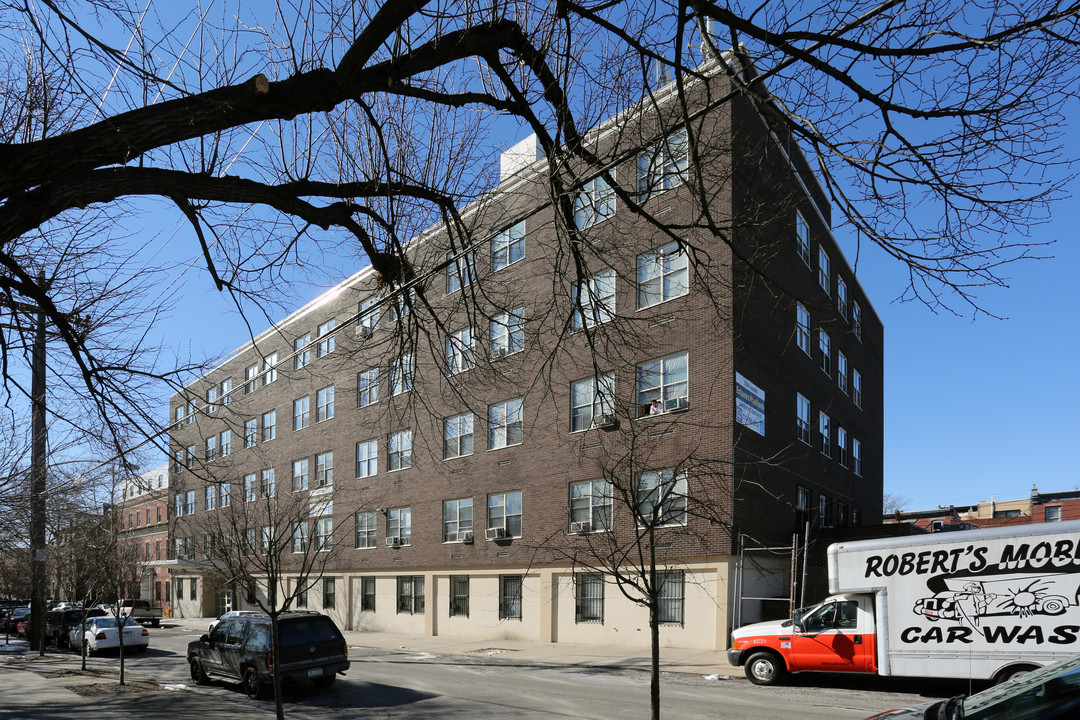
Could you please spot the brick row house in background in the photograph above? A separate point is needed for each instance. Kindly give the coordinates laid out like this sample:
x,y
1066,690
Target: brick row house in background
x,y
464,469
142,522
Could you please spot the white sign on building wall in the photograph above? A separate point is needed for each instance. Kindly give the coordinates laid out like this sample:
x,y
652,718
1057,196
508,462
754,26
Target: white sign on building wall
x,y
749,404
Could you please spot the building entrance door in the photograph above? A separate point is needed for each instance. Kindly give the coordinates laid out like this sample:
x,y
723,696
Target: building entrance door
x,y
223,601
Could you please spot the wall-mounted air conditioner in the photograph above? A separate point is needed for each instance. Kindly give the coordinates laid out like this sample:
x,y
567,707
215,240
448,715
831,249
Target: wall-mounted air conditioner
x,y
495,533
580,528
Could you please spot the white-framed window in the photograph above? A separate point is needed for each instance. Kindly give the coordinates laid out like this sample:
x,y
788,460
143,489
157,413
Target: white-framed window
x,y
368,314
324,403
301,412
824,352
324,538
324,469
457,517
662,385
267,536
458,436
824,270
401,375
591,502
856,456
459,351
802,327
269,425
1052,513
192,410
510,597
592,402
504,424
504,511
327,338
589,598
459,272
190,457
856,387
823,511
594,300
210,497
841,371
399,524
841,446
211,399
841,297
661,497
856,319
410,594
178,507
802,237
399,450
367,387
366,530
594,203
251,378
367,458
662,275
226,391
802,418
300,537
251,432
300,474
179,415
662,166
824,434
301,351
267,482
400,305
225,495
508,246
507,332
189,502
270,368
225,442
211,447
251,490
459,596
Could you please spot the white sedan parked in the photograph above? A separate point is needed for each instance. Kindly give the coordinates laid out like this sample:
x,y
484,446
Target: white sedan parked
x,y
102,633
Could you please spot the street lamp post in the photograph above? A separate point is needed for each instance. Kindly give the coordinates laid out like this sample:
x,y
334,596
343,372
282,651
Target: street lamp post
x,y
38,451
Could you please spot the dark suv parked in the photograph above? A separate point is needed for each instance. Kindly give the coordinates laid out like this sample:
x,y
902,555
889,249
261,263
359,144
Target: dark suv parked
x,y
238,650
58,622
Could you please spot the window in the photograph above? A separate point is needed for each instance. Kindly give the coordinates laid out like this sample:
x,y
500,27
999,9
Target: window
x,y
841,446
251,432
329,594
802,507
802,327
457,519
189,502
508,246
594,300
823,271
324,469
458,436
399,450
324,403
368,313
249,487
211,447
590,502
179,415
802,237
410,594
671,596
401,375
301,351
594,203
270,368
662,166
841,297
324,534
841,514
504,424
178,460
824,432
662,275
225,442
504,511
367,594
226,391
179,581
300,537
300,474
211,399
301,412
824,517
824,352
856,387
802,418
856,456
327,339
366,530
210,498
367,458
189,459
856,319
267,482
178,508
269,425
459,272
459,351
841,371
224,496
661,497
459,596
507,332
267,536
400,305
592,402
251,378
399,525
192,410
589,600
662,385
367,387
509,597
1053,513
301,595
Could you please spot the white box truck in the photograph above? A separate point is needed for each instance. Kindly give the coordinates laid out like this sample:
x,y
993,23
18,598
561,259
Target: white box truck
x,y
979,604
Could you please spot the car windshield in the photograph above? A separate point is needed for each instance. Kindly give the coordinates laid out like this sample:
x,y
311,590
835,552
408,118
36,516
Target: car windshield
x,y
1054,686
105,622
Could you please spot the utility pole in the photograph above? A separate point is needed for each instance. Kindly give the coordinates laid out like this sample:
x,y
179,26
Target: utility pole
x,y
38,450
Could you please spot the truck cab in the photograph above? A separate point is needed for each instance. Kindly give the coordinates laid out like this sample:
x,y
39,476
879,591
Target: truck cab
x,y
836,635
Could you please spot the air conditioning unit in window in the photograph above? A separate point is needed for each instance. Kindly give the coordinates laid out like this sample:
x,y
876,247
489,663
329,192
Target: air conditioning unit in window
x,y
580,528
363,331
603,421
677,404
393,542
465,536
495,533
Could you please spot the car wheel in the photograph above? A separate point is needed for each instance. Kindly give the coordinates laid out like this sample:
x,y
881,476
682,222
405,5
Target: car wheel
x,y
253,686
198,674
155,623
765,668
325,681
87,649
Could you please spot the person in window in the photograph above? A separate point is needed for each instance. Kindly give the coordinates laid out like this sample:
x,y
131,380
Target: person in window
x,y
656,408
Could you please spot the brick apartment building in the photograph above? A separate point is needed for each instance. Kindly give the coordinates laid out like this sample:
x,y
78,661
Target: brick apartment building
x,y
142,522
455,472
1038,507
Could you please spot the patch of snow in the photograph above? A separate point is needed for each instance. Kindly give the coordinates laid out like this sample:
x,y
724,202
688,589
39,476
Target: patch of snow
x,y
717,677
172,686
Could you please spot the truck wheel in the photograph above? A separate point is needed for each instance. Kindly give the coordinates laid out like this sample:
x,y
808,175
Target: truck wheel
x,y
155,623
764,668
198,674
252,685
1012,672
